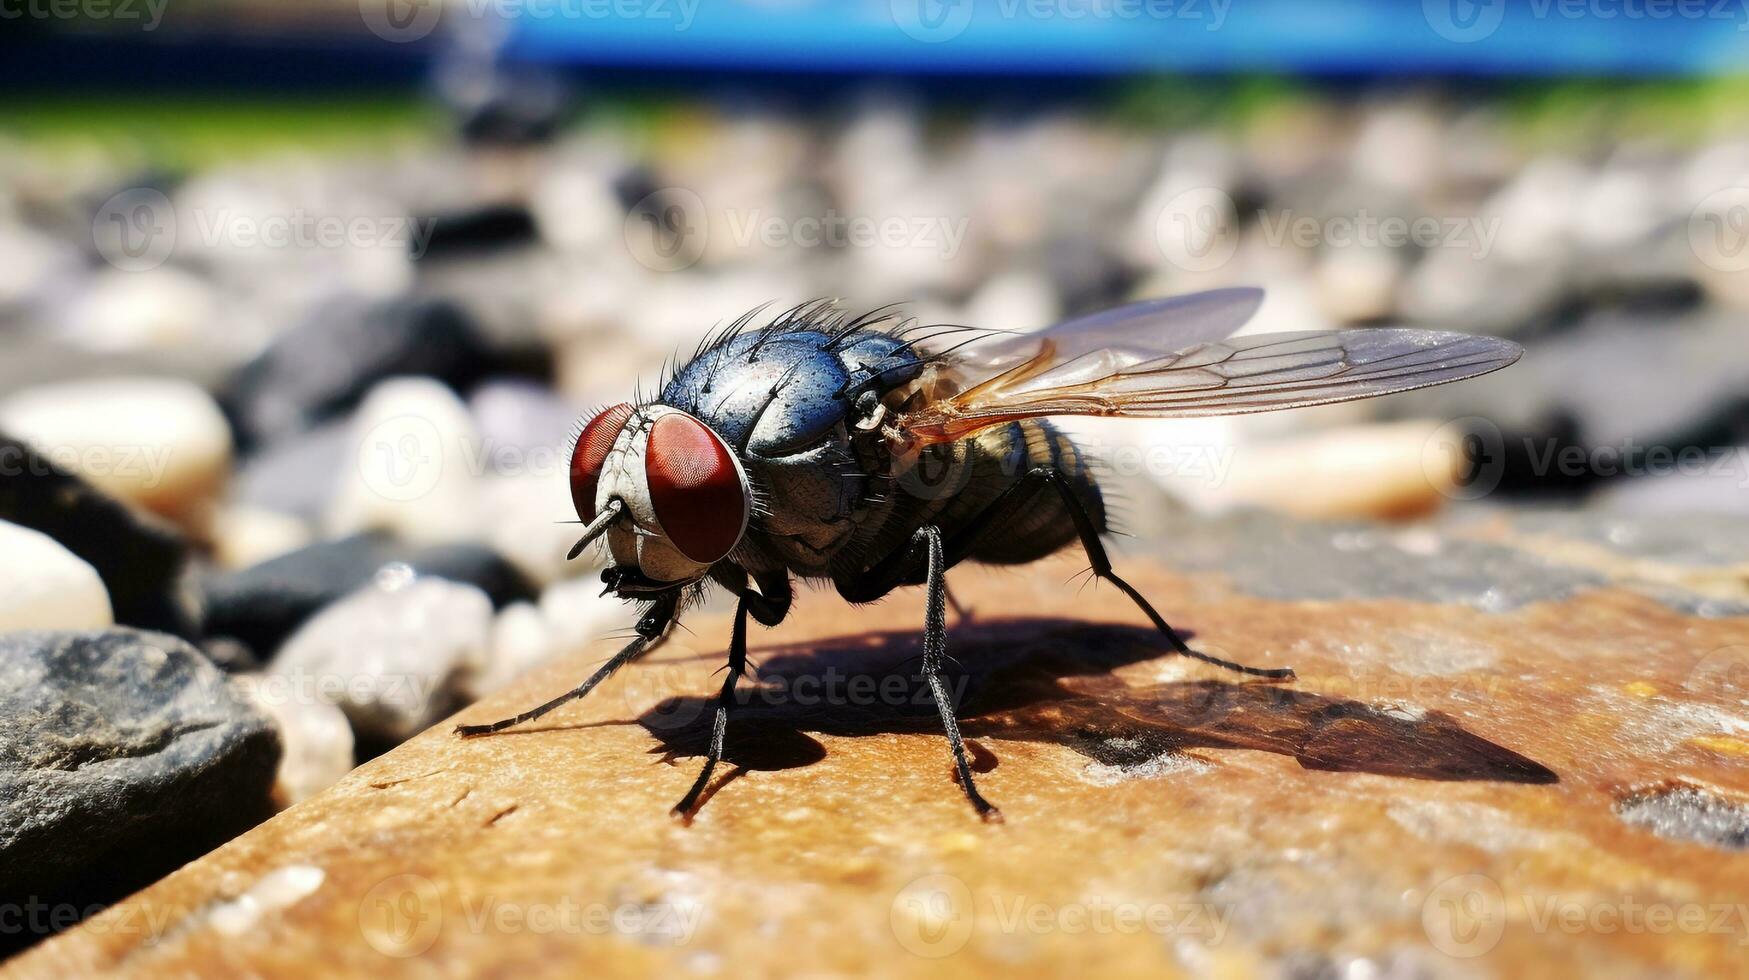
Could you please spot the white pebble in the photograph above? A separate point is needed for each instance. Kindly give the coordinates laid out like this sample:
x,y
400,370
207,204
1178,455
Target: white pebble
x,y
43,586
392,655
315,735
160,443
521,640
412,468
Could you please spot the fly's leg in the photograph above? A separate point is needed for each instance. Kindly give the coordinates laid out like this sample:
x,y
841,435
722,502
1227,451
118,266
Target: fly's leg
x,y
651,630
1102,567
769,607
962,613
934,650
720,726
899,568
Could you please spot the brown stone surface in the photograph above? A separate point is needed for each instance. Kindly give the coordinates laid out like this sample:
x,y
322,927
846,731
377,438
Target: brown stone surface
x,y
1440,793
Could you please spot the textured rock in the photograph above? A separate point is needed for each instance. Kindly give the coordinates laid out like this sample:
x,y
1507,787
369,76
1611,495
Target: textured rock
x,y
158,443
263,604
393,655
43,586
1443,786
123,754
140,560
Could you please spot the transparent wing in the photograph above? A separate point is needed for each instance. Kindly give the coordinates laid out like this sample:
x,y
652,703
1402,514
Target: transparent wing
x,y
1135,332
1220,377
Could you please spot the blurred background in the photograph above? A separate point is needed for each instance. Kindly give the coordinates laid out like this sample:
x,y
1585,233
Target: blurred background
x,y
320,288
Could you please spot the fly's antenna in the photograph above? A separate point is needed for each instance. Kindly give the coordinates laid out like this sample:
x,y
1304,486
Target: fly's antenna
x,y
597,527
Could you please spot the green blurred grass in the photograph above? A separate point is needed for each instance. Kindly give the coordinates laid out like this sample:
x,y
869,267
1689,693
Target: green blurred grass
x,y
189,132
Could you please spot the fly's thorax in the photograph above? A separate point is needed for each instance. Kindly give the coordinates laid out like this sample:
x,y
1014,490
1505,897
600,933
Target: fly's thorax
x,y
685,495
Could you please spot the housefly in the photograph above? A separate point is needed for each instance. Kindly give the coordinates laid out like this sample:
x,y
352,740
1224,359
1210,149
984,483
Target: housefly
x,y
873,453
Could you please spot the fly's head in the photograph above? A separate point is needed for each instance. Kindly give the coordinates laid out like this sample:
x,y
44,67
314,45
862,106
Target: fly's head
x,y
672,491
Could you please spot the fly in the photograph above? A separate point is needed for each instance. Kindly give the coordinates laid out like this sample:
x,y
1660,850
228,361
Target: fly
x,y
876,454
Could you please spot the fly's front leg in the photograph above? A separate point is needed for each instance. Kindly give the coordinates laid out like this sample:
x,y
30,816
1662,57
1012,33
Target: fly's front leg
x,y
769,606
934,651
652,629
720,726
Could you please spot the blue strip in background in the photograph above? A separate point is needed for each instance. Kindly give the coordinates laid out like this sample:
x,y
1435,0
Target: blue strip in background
x,y
1524,37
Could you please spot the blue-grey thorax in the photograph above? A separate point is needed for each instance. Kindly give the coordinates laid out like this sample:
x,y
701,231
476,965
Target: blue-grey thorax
x,y
788,404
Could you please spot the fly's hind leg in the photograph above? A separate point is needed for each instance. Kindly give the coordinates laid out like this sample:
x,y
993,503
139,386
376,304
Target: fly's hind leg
x,y
900,567
961,612
1101,563
934,651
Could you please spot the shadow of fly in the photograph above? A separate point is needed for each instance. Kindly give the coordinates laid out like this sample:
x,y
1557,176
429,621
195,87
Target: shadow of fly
x,y
874,452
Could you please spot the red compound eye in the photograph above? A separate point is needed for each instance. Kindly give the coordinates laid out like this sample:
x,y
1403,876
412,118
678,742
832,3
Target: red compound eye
x,y
695,487
590,452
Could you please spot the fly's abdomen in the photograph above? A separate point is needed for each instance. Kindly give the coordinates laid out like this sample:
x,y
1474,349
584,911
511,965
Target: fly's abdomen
x,y
1041,525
